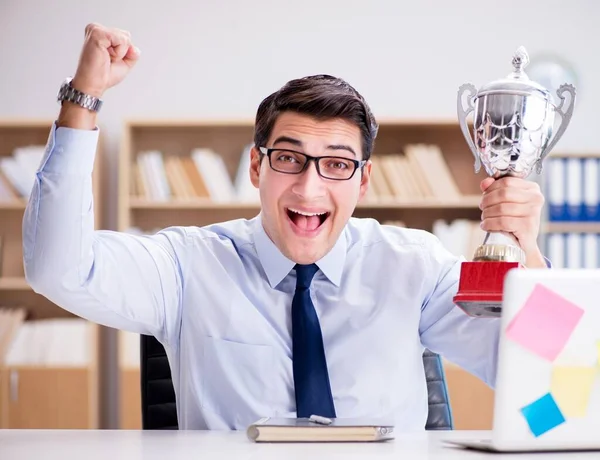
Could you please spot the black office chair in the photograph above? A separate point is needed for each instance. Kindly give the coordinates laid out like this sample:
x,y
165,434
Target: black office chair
x,y
158,396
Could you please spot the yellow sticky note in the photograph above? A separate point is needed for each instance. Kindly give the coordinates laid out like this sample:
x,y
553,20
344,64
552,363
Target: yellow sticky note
x,y
571,387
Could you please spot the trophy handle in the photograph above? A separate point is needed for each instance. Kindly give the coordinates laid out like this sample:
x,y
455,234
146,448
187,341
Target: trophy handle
x,y
565,119
462,118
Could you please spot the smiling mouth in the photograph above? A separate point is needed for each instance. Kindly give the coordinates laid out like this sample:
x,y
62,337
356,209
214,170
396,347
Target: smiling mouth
x,y
308,221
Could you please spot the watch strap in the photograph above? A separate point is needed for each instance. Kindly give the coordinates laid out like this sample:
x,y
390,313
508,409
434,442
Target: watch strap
x,y
70,94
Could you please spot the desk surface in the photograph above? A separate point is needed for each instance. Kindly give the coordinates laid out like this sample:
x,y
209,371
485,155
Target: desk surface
x,y
206,445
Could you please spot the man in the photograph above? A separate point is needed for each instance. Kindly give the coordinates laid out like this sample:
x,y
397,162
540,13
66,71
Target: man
x,y
301,310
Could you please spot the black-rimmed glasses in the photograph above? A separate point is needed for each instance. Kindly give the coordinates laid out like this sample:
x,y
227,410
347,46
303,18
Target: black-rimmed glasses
x,y
292,162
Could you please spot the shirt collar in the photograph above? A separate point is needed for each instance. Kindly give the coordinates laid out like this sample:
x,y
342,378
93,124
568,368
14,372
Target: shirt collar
x,y
277,266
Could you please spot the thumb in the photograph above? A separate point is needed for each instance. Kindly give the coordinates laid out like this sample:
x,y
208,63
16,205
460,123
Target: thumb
x,y
485,183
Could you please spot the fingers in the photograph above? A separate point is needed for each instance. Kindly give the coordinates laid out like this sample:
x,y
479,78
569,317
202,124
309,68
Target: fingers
x,y
510,182
132,55
485,183
116,41
520,193
503,224
120,42
508,210
508,195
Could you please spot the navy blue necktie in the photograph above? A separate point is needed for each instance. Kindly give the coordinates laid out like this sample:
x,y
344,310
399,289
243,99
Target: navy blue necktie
x,y
311,379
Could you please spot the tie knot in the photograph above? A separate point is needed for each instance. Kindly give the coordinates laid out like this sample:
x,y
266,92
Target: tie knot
x,y
305,274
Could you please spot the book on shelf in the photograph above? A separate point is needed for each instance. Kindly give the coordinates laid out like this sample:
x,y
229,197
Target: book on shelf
x,y
7,190
573,249
10,322
572,186
214,174
50,342
129,350
246,191
17,172
461,236
200,175
433,171
421,172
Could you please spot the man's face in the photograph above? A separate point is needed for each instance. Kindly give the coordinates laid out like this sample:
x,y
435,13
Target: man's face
x,y
304,213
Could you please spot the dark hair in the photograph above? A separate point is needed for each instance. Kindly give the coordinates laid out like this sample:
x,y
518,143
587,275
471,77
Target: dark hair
x,y
322,97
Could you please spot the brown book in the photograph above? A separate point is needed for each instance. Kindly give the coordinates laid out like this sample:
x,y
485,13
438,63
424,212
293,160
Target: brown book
x,y
417,172
403,169
379,180
444,174
304,430
176,184
186,183
394,180
194,177
141,187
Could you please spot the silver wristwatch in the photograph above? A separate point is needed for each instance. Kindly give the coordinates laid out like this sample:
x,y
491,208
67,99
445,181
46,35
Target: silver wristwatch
x,y
68,93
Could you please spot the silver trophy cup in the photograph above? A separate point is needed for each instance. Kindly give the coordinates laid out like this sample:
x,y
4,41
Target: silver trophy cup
x,y
513,123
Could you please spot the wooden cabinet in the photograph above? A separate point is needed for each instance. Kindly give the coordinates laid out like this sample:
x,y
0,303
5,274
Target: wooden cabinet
x,y
35,397
472,401
40,396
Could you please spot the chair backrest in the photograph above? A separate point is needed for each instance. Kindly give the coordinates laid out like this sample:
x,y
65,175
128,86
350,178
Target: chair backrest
x,y
158,396
159,411
440,414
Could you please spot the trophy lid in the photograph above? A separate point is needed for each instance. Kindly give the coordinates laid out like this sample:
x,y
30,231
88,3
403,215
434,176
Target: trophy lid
x,y
517,82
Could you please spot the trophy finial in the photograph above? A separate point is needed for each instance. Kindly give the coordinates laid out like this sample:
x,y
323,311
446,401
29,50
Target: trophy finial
x,y
520,59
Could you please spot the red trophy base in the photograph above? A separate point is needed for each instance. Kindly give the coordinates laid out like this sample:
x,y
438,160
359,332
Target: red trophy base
x,y
480,287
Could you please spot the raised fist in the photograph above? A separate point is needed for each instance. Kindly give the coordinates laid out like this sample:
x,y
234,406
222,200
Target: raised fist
x,y
106,58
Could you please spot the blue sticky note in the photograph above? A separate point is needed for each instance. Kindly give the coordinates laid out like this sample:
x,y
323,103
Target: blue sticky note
x,y
542,415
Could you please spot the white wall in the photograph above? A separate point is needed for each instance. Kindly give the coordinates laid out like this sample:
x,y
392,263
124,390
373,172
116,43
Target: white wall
x,y
219,58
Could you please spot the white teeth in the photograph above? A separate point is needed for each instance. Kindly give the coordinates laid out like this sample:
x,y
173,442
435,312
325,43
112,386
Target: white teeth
x,y
308,213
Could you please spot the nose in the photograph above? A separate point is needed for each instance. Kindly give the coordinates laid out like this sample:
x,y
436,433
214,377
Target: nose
x,y
309,185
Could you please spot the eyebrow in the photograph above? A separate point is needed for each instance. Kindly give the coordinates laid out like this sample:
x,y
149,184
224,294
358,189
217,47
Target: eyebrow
x,y
291,140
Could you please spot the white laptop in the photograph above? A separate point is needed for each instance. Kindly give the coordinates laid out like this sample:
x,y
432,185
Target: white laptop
x,y
547,394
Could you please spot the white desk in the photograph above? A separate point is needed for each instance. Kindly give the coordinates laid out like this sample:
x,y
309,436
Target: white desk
x,y
208,445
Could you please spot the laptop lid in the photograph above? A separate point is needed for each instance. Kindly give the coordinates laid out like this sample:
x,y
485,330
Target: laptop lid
x,y
548,380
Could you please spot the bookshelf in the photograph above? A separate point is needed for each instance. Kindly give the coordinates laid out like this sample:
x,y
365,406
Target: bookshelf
x,y
35,393
570,233
228,138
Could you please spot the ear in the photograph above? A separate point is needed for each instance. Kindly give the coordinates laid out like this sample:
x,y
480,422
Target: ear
x,y
365,180
254,166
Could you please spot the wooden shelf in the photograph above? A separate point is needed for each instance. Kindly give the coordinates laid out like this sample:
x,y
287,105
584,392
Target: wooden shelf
x,y
466,202
572,227
573,155
18,205
50,397
137,203
14,284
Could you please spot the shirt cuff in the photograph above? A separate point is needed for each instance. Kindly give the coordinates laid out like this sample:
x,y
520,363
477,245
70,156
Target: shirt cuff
x,y
70,151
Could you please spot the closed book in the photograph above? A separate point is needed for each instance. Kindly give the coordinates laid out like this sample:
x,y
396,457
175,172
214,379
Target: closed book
x,y
304,430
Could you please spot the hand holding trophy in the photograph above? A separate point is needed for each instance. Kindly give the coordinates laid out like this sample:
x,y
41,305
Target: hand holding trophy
x,y
513,125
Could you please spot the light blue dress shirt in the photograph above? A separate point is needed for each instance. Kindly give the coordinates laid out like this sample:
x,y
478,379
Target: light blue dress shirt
x,y
219,299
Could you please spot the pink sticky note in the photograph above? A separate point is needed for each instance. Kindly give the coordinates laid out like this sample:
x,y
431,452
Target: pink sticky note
x,y
544,323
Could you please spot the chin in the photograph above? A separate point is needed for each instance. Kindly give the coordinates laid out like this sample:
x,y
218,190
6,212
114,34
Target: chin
x,y
304,250
302,257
